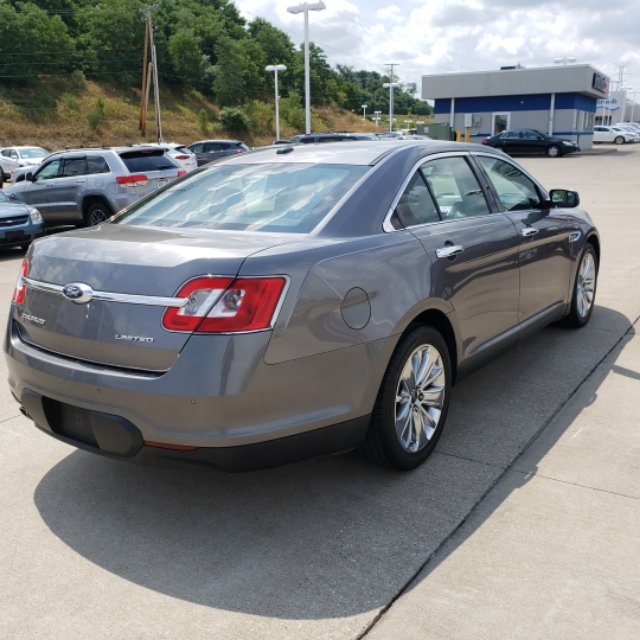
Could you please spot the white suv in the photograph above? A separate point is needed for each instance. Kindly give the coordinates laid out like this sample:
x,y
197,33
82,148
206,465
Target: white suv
x,y
87,186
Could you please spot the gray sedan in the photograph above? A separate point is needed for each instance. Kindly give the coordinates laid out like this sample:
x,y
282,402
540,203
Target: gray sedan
x,y
295,301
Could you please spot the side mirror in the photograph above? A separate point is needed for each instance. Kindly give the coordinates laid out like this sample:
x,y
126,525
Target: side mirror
x,y
564,199
29,177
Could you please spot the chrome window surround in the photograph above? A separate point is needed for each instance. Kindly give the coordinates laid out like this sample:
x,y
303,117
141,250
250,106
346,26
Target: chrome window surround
x,y
387,227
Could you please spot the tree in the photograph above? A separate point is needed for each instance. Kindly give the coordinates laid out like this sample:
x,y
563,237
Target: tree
x,y
33,43
228,79
112,41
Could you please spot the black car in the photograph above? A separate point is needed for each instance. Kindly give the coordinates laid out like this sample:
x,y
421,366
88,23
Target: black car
x,y
208,150
530,141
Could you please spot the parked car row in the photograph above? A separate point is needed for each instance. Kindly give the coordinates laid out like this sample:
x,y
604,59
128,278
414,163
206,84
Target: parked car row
x,y
622,133
12,158
86,186
195,319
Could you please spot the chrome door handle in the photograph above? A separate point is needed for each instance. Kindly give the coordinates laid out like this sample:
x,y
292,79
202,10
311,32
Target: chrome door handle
x,y
449,251
528,232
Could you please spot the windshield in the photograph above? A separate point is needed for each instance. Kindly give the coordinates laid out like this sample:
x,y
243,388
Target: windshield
x,y
33,153
256,197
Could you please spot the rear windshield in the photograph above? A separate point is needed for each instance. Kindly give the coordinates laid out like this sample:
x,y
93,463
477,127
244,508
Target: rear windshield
x,y
257,197
147,160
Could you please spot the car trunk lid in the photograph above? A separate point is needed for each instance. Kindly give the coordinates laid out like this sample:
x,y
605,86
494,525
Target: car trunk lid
x,y
130,276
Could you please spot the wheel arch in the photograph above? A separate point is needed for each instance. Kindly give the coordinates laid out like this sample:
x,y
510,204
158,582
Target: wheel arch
x,y
89,199
594,241
441,323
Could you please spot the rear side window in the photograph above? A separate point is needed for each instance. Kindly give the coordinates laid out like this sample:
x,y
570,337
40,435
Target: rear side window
x,y
147,160
416,206
455,188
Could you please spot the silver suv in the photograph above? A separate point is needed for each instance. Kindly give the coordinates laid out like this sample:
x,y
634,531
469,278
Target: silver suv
x,y
86,186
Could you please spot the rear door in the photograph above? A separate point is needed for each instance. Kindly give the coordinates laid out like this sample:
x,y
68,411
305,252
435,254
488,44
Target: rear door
x,y
472,253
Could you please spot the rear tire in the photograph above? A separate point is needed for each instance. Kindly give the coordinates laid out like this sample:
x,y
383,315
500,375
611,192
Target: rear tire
x,y
553,151
584,290
619,140
97,212
412,403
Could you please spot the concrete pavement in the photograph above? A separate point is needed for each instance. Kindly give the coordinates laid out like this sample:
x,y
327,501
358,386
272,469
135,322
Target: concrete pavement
x,y
524,524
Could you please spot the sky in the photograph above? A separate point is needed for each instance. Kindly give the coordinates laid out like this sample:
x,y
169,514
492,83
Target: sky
x,y
425,37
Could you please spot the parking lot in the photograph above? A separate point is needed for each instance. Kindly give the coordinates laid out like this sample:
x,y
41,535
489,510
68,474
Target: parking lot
x,y
523,524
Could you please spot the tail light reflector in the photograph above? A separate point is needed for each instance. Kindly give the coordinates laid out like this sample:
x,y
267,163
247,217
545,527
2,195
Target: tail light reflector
x,y
225,305
20,292
181,172
182,157
132,179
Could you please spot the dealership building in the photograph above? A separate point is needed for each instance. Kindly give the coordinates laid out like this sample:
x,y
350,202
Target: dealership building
x,y
560,100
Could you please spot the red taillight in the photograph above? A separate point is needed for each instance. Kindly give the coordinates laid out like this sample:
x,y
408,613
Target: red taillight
x,y
132,179
182,157
20,292
224,305
483,141
181,172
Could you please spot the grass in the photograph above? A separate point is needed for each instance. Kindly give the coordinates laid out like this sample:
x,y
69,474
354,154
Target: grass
x,y
59,114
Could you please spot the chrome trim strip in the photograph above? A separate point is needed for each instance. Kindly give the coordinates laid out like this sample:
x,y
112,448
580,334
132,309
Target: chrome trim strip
x,y
106,296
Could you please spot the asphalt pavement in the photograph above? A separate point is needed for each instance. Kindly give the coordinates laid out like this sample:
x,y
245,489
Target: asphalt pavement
x,y
524,524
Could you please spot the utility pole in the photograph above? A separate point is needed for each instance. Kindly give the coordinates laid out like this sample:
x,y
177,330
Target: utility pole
x,y
144,92
150,73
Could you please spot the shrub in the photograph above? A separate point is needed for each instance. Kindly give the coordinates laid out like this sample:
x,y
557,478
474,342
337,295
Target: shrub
x,y
235,120
96,117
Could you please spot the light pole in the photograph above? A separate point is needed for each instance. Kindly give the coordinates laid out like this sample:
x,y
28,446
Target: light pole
x,y
305,7
275,68
364,111
391,86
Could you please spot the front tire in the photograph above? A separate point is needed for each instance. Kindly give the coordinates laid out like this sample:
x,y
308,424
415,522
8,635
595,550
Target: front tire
x,y
619,140
553,151
412,404
584,290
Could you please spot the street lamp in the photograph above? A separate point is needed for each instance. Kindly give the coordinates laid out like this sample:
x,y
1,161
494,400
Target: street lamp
x,y
391,86
364,111
305,7
275,68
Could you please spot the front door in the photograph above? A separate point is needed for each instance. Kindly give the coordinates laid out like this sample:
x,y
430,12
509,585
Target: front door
x,y
545,245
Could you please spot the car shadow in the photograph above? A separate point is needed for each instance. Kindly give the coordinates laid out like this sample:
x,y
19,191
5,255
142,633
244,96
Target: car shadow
x,y
329,537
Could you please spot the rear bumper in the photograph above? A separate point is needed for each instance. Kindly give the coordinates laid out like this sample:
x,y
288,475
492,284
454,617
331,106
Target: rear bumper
x,y
115,437
219,398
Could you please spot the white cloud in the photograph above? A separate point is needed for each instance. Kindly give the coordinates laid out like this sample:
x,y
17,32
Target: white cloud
x,y
439,36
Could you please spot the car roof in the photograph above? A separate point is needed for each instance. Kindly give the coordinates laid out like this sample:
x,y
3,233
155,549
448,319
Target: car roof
x,y
357,152
217,140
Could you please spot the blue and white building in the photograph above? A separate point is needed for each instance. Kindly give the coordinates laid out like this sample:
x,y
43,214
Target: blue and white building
x,y
559,100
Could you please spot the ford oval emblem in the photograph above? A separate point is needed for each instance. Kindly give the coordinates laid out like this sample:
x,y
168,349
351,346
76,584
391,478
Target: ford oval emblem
x,y
78,292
